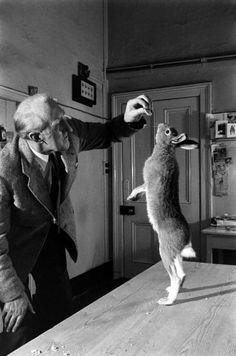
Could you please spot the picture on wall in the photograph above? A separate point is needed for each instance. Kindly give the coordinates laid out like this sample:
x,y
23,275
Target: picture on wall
x,y
231,130
220,128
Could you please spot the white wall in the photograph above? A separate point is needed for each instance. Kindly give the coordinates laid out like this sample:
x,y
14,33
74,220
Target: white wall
x,y
41,43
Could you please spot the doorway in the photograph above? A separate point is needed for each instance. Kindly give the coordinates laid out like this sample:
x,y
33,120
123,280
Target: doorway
x,y
135,246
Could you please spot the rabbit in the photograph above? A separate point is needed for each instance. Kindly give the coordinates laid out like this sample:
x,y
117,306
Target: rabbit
x,y
161,175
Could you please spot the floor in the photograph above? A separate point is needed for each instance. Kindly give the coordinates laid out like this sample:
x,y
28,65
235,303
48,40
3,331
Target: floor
x,y
94,292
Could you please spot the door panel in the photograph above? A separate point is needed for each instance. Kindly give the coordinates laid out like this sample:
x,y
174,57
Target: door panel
x,y
7,109
140,242
141,252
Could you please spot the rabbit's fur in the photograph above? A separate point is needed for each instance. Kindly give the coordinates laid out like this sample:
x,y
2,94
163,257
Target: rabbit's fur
x,y
161,185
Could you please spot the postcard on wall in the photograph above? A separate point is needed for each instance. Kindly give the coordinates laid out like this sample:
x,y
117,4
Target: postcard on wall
x,y
222,125
230,117
221,128
231,130
220,177
220,170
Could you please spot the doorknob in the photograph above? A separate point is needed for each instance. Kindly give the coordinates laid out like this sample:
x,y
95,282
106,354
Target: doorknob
x,y
127,210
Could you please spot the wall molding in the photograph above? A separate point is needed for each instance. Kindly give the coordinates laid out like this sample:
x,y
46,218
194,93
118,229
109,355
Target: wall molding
x,y
172,63
12,94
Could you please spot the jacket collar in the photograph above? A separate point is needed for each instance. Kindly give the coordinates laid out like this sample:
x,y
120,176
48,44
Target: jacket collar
x,y
36,182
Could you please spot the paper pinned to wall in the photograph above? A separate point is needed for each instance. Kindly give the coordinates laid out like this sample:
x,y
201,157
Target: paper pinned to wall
x,y
220,170
220,176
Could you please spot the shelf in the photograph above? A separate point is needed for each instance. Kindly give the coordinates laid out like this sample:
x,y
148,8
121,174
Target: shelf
x,y
219,140
219,230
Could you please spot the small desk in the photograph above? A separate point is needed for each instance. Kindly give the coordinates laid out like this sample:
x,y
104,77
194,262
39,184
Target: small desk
x,y
128,320
218,238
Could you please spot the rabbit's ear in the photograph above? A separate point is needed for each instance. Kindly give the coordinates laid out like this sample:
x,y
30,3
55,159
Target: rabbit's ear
x,y
178,139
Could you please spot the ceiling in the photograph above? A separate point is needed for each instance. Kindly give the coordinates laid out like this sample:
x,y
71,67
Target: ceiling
x,y
152,31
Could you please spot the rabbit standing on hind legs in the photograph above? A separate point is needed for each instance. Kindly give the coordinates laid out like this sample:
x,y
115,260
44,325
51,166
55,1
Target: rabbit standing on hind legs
x,y
161,186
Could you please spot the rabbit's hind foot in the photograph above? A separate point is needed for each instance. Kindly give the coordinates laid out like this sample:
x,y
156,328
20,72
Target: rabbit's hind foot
x,y
173,291
166,301
172,295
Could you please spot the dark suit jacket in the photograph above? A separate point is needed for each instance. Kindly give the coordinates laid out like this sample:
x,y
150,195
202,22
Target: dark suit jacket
x,y
26,212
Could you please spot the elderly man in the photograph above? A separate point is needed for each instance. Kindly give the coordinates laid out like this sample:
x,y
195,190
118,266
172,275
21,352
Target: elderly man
x,y
37,170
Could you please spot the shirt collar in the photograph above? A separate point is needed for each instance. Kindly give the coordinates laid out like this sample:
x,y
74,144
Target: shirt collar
x,y
40,155
43,159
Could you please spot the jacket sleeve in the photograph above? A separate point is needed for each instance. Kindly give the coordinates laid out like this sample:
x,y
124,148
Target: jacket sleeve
x,y
11,286
101,135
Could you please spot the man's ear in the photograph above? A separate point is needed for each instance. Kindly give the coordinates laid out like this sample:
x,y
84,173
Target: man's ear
x,y
35,136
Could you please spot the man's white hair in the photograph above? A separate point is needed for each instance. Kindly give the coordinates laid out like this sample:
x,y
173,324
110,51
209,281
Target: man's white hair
x,y
34,114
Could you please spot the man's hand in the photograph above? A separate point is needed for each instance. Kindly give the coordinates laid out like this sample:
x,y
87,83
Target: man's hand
x,y
135,108
14,312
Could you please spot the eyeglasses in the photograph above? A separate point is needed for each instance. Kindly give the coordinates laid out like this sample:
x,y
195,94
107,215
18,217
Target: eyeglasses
x,y
59,125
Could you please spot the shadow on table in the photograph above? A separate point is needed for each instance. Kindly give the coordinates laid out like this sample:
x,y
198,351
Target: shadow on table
x,y
206,296
184,290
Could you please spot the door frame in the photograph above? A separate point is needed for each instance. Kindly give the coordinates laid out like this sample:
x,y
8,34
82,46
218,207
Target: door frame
x,y
204,92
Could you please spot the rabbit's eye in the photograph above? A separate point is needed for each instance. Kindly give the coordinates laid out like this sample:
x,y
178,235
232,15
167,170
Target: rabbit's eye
x,y
167,132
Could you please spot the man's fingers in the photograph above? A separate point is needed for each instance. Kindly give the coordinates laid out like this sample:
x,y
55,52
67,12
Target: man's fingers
x,y
141,103
140,111
12,322
6,315
145,99
148,112
17,323
138,102
9,323
137,107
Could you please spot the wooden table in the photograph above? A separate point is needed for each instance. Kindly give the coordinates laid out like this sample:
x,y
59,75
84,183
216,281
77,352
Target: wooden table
x,y
219,238
128,320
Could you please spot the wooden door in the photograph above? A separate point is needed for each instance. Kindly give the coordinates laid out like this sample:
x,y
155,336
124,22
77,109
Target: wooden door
x,y
139,242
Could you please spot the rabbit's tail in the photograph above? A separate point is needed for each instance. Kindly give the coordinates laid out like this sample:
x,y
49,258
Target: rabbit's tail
x,y
188,252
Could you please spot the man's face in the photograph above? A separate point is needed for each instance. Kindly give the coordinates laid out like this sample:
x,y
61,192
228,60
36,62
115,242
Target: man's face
x,y
55,134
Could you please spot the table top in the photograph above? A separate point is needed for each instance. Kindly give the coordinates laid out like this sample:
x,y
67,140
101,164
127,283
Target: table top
x,y
219,230
129,321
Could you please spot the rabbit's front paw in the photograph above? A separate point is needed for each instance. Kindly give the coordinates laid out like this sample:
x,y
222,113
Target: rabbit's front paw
x,y
137,193
132,196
